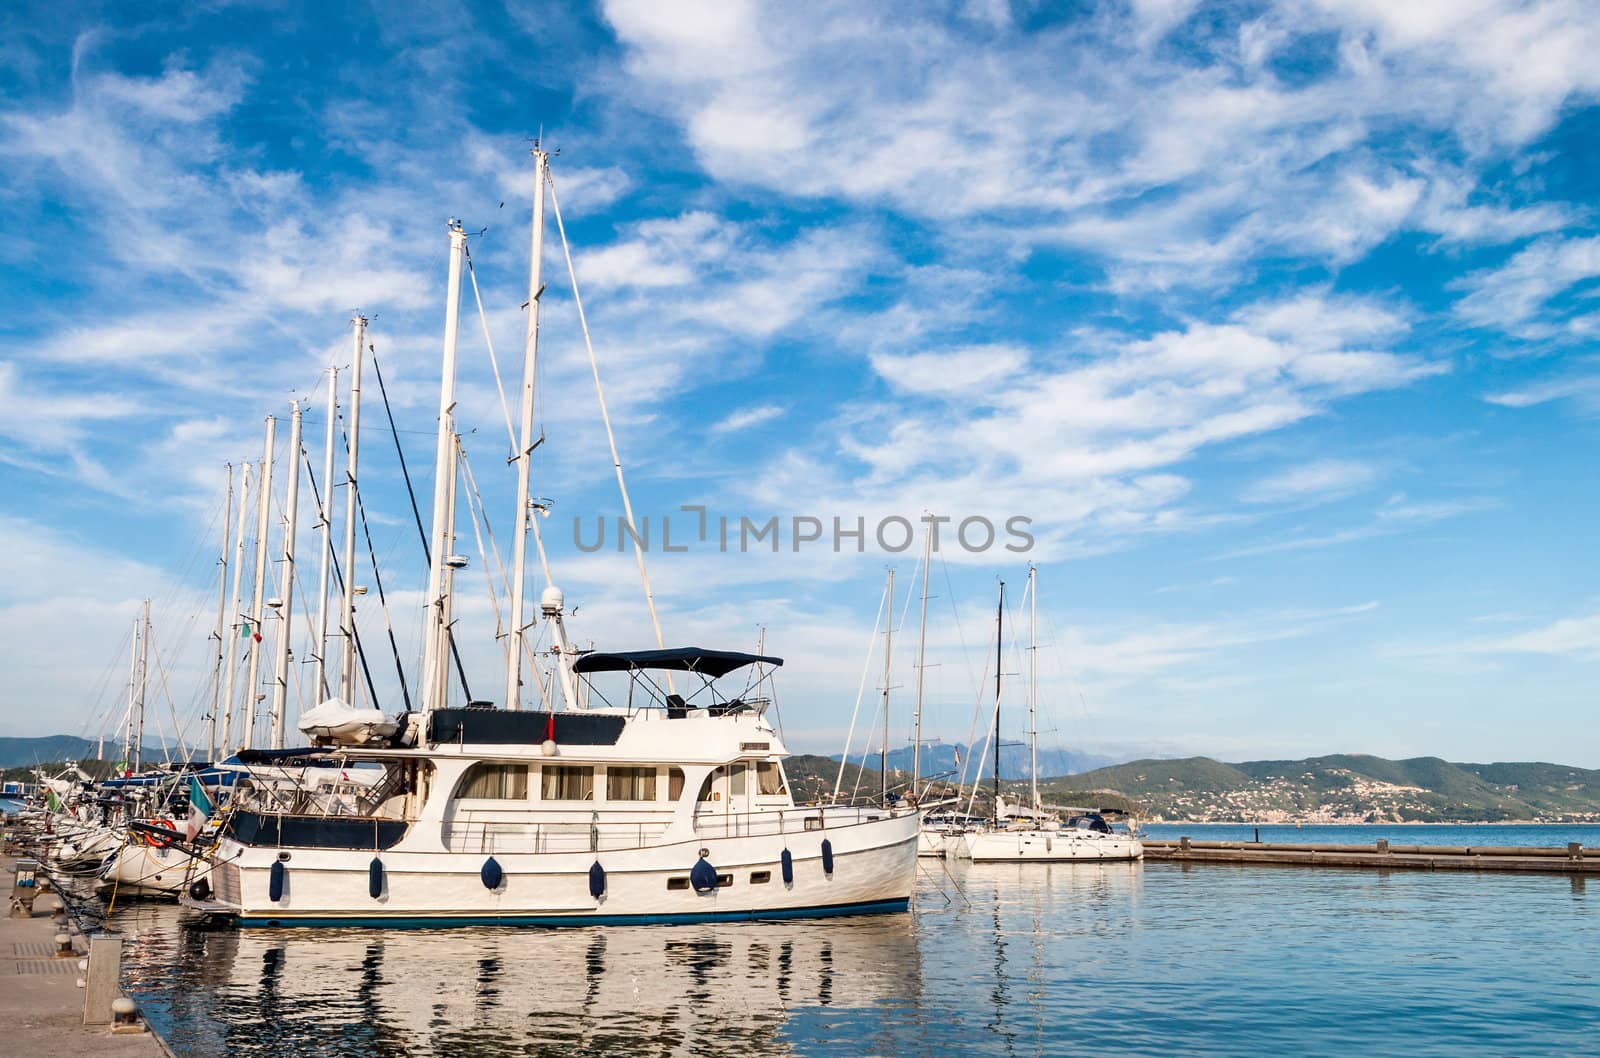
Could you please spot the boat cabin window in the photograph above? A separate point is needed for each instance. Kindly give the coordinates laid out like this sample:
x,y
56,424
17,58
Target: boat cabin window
x,y
736,780
499,782
564,782
674,783
630,784
769,779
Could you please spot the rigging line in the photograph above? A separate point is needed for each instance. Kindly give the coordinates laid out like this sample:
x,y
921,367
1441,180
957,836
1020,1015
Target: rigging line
x,y
416,512
861,688
474,511
100,713
494,365
383,604
611,439
979,710
878,710
177,728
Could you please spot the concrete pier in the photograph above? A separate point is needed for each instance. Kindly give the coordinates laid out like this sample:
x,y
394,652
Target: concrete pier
x,y
41,1004
1570,859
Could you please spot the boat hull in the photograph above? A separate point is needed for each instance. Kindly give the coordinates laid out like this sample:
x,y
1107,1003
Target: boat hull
x,y
874,870
1045,846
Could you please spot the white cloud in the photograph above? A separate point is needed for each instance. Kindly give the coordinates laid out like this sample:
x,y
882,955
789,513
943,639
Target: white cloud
x,y
1513,297
1176,170
745,418
1324,479
964,374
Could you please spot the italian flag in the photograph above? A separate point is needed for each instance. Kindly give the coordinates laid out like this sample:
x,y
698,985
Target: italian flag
x,y
200,809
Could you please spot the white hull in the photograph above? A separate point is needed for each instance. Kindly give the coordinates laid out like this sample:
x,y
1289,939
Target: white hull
x,y
143,870
931,844
874,869
1044,846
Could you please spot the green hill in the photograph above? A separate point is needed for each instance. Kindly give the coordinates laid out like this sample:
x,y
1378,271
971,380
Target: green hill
x,y
1342,788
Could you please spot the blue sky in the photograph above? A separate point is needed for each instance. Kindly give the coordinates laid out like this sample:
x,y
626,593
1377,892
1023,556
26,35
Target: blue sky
x,y
1276,319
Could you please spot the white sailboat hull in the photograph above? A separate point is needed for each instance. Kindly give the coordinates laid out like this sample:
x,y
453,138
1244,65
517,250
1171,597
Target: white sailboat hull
x,y
148,871
1044,846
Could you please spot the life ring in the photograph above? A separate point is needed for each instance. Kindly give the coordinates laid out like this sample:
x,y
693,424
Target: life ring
x,y
160,841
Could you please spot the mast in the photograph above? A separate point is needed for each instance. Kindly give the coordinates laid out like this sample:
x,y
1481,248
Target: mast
x,y
291,503
133,695
922,648
144,684
433,662
233,624
1033,684
263,518
347,611
530,363
325,530
447,649
222,616
888,645
999,638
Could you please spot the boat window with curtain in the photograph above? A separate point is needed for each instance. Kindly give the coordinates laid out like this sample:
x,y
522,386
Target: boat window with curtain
x,y
674,783
566,782
769,780
630,784
495,782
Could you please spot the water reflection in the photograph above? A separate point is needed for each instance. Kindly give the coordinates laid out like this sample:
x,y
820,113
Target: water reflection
x,y
997,959
706,990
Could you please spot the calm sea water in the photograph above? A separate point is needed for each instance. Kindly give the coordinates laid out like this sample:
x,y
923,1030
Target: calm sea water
x,y
1152,959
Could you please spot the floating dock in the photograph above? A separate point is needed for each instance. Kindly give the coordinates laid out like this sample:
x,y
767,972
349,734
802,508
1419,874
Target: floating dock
x,y
1382,855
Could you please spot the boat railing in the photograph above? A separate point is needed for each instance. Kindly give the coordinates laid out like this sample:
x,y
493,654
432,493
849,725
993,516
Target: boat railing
x,y
491,835
787,821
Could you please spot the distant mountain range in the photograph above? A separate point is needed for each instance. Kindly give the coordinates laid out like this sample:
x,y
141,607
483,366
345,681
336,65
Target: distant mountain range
x,y
939,761
26,752
1342,788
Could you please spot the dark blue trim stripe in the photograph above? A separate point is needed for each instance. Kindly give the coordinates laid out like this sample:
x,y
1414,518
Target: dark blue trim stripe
x,y
873,907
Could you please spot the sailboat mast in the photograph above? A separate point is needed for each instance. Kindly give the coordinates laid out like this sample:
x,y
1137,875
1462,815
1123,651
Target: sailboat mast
x,y
347,611
922,651
999,639
222,617
263,520
232,647
1033,683
291,505
144,686
133,695
530,364
888,648
433,662
325,530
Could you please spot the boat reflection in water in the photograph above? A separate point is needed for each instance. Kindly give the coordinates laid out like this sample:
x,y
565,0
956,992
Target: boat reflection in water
x,y
705,990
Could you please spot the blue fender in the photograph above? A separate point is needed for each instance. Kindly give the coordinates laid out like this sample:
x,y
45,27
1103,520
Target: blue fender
x,y
827,857
703,876
491,874
276,880
597,880
786,861
375,878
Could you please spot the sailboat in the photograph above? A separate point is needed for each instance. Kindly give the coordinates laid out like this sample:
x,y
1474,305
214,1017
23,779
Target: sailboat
x,y
654,804
1034,833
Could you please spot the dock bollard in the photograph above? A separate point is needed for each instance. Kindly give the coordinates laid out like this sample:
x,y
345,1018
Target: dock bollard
x,y
64,946
1575,849
1383,844
1183,844
125,1015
